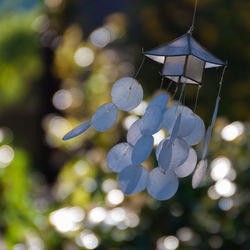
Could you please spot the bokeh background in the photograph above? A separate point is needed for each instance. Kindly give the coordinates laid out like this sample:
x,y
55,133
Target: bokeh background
x,y
58,62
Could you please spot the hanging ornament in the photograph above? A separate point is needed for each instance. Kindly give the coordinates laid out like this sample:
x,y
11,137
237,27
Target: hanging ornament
x,y
184,61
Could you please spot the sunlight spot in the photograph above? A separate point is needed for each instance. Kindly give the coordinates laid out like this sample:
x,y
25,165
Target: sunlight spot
x,y
171,242
115,197
232,131
128,121
97,215
84,57
62,99
225,188
100,37
221,167
6,155
67,219
158,137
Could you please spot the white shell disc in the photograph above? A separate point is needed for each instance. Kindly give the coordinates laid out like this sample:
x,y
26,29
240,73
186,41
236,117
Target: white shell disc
x,y
134,132
119,157
165,155
162,186
179,154
199,173
197,133
159,147
127,93
142,149
151,120
77,131
133,179
188,166
160,100
187,122
104,117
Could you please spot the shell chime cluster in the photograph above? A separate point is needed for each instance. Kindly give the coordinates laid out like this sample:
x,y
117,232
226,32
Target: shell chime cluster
x,y
184,61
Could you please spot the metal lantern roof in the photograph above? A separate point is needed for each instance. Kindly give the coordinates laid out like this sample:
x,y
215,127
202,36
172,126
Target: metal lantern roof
x,y
183,46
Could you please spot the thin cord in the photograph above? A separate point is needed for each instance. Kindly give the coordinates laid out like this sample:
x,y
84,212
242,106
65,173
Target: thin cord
x,y
169,85
191,29
182,91
162,80
221,80
175,92
139,69
197,97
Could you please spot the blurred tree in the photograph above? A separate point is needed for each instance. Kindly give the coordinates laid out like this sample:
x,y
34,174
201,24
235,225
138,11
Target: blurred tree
x,y
59,60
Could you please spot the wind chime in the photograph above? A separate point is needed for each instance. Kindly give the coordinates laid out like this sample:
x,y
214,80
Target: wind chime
x,y
184,61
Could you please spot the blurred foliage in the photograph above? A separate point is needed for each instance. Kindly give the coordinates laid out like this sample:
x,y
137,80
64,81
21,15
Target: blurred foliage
x,y
58,62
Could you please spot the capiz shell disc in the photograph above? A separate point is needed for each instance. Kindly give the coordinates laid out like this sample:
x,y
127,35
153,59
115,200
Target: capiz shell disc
x,y
142,149
119,157
188,166
127,93
104,117
197,133
162,186
133,179
77,131
199,173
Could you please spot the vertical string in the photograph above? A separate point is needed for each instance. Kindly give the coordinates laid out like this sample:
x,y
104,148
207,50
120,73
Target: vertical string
x,y
169,85
139,69
191,29
197,97
162,80
182,91
218,97
175,92
137,73
221,80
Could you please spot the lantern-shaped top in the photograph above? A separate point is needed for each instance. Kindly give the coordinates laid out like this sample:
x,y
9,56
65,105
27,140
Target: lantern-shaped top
x,y
184,59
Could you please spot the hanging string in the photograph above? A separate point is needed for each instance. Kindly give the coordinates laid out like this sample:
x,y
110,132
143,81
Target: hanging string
x,y
162,80
139,69
175,92
191,29
182,91
169,85
221,80
197,97
218,98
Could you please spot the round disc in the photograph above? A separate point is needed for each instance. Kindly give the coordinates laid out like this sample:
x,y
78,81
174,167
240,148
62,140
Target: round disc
x,y
162,186
126,93
188,166
104,117
151,121
165,156
77,131
197,133
160,100
199,173
187,122
133,179
142,149
159,147
179,154
134,132
119,157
